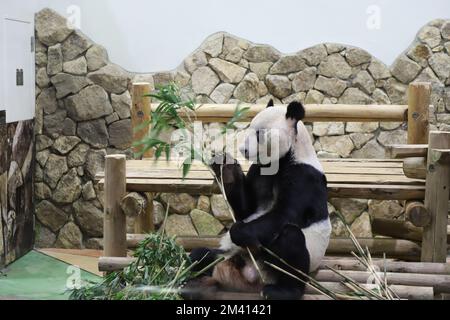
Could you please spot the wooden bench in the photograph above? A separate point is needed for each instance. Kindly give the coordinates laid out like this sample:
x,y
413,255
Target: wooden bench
x,y
426,200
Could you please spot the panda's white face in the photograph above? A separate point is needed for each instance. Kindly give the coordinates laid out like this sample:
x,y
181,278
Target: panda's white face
x,y
270,136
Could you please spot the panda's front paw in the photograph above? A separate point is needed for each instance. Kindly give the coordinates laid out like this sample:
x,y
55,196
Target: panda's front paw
x,y
226,167
242,236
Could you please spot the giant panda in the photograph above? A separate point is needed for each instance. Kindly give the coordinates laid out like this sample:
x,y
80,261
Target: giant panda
x,y
285,212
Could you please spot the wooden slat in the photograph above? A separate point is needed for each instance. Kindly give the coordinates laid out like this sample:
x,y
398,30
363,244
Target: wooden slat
x,y
314,112
378,192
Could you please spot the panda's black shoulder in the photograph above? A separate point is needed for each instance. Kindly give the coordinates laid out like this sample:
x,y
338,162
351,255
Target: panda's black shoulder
x,y
305,173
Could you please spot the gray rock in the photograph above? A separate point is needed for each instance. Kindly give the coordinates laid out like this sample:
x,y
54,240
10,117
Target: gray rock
x,y
195,61
405,69
420,53
113,117
355,96
65,144
235,55
304,80
288,64
219,208
230,43
334,47
77,67
385,209
349,208
51,216
47,100
314,55
179,225
261,69
396,91
392,137
68,189
227,71
42,79
91,103
162,78
261,53
111,77
360,139
440,63
213,45
380,97
335,66
122,104
43,238
361,227
55,167
371,150
205,224
43,142
159,213
94,243
431,36
299,97
279,86
66,84
182,203
248,89
69,127
75,45
378,70
54,60
445,30
338,228
52,122
321,129
42,191
51,28
204,80
94,133
89,218
428,75
342,145
120,134
331,86
96,57
77,157
222,93
314,97
95,162
364,81
70,237
357,56
203,203
182,78
361,126
41,59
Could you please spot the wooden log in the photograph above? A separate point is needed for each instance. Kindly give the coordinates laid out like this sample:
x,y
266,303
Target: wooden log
x,y
400,151
314,112
133,204
417,214
114,227
440,283
392,247
140,115
109,264
396,229
418,112
415,168
144,222
434,242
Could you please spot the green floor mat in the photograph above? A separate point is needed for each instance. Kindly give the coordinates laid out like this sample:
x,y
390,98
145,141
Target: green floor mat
x,y
37,276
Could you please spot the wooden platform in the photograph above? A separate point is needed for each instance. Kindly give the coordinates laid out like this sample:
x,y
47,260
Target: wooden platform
x,y
347,178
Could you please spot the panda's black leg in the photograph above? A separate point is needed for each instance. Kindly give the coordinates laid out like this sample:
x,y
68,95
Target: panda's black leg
x,y
204,257
290,246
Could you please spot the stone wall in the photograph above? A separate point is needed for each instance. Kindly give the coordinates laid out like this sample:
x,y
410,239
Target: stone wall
x,y
83,113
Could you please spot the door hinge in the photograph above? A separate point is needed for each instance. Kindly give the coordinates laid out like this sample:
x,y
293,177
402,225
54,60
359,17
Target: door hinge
x,y
32,44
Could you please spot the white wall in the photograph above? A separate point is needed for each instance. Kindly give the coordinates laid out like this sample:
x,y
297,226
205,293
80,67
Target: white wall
x,y
152,35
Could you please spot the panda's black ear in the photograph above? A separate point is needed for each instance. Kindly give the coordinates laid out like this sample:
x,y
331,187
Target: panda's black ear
x,y
270,104
296,111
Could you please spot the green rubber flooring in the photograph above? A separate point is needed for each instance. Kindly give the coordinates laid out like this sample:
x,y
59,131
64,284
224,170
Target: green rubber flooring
x,y
37,276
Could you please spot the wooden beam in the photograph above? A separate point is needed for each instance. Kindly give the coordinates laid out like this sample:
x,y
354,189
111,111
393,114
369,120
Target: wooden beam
x,y
417,213
418,112
114,226
399,151
397,229
314,112
434,242
415,168
133,204
140,115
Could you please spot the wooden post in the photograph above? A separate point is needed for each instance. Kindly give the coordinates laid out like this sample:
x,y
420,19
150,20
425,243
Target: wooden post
x,y
115,241
140,114
418,112
434,242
